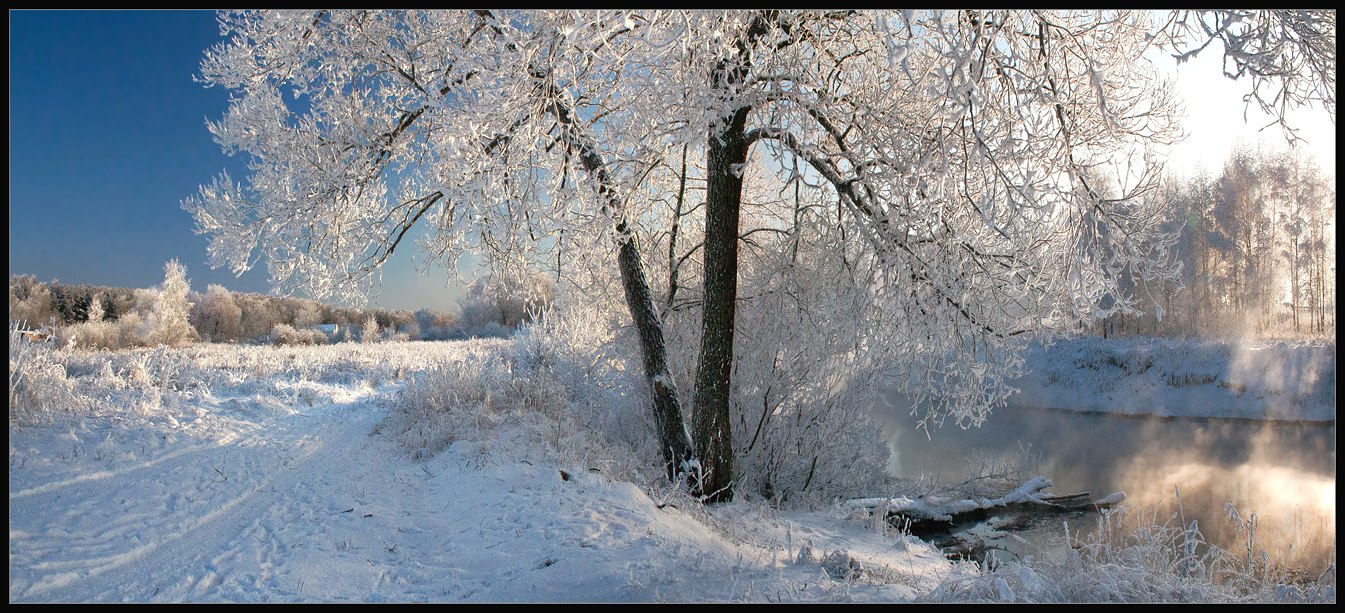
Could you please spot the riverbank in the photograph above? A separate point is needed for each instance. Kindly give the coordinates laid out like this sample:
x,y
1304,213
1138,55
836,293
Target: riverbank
x,y
1274,380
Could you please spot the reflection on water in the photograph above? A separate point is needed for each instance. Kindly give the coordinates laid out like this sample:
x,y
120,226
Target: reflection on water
x,y
1284,473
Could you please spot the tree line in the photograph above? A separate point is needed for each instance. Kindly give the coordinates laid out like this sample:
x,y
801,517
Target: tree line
x,y
1256,243
113,317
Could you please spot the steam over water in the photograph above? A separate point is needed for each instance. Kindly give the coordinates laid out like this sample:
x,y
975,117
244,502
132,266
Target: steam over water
x,y
1284,473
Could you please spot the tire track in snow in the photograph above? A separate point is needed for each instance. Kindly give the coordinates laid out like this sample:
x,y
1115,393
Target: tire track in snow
x,y
109,474
80,540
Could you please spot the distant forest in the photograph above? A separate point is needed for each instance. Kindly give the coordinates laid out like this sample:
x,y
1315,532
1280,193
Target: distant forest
x,y
98,316
1257,249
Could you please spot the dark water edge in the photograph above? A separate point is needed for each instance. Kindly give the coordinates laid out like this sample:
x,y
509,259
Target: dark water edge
x,y
1258,421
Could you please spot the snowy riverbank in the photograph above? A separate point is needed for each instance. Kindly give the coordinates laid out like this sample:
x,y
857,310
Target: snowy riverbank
x,y
1276,380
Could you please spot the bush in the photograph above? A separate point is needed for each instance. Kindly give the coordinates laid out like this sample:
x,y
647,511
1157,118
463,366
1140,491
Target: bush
x,y
285,334
467,398
553,391
111,335
38,385
90,335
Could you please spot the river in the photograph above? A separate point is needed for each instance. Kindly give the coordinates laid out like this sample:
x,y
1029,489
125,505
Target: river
x,y
1173,471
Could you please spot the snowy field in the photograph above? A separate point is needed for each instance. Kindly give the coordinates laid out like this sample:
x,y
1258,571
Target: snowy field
x,y
270,474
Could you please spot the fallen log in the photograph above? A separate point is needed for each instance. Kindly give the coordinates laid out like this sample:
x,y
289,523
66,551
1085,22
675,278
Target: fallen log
x,y
939,520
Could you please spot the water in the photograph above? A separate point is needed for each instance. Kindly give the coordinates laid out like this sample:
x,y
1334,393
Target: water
x,y
1172,471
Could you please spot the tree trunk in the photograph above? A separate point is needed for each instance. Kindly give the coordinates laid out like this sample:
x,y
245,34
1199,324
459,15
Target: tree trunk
x,y
713,433
674,440
726,159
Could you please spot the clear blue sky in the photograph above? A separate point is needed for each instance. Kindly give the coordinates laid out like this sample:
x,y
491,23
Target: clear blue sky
x,y
107,136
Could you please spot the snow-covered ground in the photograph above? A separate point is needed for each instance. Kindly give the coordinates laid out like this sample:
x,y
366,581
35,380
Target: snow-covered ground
x,y
225,474
1275,380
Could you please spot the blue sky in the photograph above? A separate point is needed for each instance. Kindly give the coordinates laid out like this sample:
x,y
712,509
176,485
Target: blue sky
x,y
107,136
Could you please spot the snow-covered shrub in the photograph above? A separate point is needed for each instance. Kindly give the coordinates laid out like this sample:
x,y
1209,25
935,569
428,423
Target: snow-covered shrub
x,y
285,334
545,391
155,374
463,398
126,331
577,344
90,335
38,386
803,387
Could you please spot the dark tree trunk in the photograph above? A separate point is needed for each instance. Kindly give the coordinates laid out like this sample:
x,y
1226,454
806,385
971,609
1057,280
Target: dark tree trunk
x,y
674,439
712,431
726,158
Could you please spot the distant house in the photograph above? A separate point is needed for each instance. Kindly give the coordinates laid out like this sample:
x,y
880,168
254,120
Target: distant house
x,y
331,330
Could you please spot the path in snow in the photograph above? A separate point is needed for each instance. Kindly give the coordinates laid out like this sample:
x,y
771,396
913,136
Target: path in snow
x,y
179,527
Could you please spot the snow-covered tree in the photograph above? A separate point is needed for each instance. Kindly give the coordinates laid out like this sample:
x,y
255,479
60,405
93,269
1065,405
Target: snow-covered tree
x,y
217,316
308,314
30,302
96,310
505,302
433,325
1248,245
259,315
369,333
166,319
956,152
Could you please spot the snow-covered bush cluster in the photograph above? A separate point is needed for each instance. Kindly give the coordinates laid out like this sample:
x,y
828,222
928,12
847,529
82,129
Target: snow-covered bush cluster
x,y
284,334
38,386
101,334
555,384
